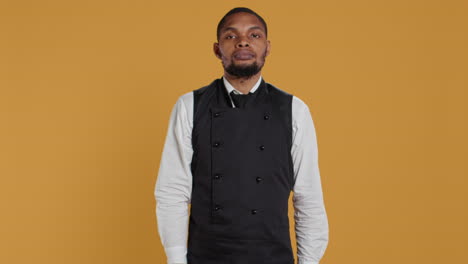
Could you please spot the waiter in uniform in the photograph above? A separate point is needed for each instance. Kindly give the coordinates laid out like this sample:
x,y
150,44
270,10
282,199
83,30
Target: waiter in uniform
x,y
235,150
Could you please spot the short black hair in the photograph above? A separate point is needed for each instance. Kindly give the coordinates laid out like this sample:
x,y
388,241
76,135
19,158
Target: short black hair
x,y
239,10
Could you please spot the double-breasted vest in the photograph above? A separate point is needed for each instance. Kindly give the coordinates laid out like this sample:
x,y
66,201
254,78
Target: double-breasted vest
x,y
242,177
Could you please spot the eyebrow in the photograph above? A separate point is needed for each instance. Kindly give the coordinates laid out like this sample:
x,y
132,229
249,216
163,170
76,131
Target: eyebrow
x,y
235,29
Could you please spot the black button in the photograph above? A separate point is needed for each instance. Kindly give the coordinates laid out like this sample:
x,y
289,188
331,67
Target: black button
x,y
259,179
217,176
217,208
216,144
266,117
262,147
217,114
254,211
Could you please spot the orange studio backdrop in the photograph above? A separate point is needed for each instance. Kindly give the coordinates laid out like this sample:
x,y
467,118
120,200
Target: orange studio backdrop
x,y
86,89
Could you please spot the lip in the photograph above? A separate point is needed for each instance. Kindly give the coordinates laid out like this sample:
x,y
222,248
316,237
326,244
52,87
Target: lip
x,y
243,55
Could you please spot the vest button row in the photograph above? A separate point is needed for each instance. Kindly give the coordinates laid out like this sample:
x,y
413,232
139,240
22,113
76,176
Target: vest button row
x,y
218,207
217,144
218,176
218,114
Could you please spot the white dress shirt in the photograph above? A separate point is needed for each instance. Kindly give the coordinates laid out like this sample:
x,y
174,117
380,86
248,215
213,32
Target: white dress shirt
x,y
173,190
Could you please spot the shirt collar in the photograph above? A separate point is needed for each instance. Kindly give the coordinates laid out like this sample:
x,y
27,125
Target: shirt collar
x,y
231,88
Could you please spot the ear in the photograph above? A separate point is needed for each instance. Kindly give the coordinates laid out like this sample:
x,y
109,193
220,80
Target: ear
x,y
268,47
216,50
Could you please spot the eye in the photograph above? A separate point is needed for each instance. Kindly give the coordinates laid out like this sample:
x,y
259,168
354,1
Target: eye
x,y
255,35
230,36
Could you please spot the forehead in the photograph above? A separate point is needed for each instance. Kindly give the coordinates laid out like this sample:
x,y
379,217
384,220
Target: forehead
x,y
242,19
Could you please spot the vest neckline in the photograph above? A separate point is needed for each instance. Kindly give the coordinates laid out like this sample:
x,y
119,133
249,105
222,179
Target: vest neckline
x,y
258,98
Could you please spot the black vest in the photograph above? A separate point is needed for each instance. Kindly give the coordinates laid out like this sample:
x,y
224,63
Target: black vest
x,y
242,178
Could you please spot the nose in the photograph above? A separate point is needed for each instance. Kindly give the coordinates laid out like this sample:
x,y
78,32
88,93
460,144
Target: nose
x,y
242,43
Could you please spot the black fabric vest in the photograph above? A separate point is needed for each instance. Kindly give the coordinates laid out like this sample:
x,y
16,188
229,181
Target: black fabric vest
x,y
242,177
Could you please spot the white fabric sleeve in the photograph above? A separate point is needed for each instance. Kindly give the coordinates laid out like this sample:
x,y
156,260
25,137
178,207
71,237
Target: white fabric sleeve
x,y
174,184
311,223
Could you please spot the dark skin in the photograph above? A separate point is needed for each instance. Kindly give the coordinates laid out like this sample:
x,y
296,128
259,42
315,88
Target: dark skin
x,y
242,41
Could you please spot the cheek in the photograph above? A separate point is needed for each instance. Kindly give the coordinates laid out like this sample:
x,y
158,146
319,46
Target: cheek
x,y
224,59
225,55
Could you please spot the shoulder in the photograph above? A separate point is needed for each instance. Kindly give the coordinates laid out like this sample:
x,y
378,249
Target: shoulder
x,y
301,114
182,108
280,97
186,100
206,89
183,102
299,106
204,94
277,91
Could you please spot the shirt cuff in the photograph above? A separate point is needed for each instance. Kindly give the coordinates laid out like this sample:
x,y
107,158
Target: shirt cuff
x,y
306,261
176,255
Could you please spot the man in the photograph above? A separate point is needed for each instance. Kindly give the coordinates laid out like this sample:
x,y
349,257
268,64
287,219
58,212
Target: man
x,y
235,149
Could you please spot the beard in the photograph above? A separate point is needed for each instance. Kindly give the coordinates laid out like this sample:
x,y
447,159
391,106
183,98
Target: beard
x,y
244,71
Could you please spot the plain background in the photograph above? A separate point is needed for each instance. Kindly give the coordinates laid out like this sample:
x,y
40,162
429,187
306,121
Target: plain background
x,y
86,89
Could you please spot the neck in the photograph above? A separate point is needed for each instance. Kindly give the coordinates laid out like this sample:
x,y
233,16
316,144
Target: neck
x,y
243,84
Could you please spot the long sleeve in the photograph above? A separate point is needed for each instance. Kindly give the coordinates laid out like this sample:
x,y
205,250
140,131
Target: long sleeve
x,y
311,223
174,183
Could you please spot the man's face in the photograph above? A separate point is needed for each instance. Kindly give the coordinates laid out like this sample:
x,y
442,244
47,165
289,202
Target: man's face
x,y
242,45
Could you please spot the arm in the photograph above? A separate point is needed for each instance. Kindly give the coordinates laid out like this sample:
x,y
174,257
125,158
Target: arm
x,y
174,185
311,224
